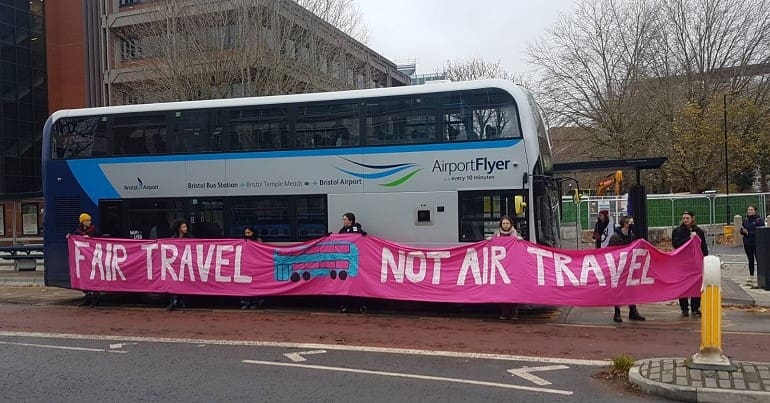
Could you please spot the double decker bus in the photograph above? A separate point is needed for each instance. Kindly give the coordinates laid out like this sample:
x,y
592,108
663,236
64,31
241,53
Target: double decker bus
x,y
428,165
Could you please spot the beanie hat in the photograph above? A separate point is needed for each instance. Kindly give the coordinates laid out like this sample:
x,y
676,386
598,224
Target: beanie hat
x,y
85,217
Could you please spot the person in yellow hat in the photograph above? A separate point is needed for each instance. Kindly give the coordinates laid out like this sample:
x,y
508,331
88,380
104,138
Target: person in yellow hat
x,y
86,228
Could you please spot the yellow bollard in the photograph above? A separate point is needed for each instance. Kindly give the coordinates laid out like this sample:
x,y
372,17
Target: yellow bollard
x,y
710,355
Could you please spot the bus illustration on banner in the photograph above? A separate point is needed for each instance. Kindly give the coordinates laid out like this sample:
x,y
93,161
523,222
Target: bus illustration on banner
x,y
336,259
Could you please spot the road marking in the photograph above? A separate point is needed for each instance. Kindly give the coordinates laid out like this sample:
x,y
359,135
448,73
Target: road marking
x,y
411,376
314,346
524,372
297,357
98,350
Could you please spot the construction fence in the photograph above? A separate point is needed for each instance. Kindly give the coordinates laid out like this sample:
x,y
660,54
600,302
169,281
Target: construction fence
x,y
666,210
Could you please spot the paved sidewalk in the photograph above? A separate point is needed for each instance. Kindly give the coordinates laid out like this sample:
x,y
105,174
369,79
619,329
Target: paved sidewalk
x,y
735,271
671,378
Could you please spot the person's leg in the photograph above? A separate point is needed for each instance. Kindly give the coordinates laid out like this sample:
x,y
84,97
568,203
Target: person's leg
x,y
695,303
633,313
616,317
751,253
685,306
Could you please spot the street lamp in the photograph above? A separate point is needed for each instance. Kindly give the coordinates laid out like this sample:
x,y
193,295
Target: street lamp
x,y
727,169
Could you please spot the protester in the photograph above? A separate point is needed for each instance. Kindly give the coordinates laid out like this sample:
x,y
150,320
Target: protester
x,y
86,228
251,302
600,228
350,226
179,229
749,232
624,235
679,237
505,228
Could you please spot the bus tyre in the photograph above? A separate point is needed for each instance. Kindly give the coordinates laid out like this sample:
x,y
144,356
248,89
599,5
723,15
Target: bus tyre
x,y
333,274
343,275
295,277
306,276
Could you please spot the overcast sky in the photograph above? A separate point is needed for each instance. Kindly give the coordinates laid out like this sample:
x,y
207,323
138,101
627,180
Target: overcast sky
x,y
434,31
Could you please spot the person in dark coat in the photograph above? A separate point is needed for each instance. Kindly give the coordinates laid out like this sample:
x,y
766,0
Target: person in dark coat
x,y
251,302
179,229
600,228
749,232
350,226
679,237
624,235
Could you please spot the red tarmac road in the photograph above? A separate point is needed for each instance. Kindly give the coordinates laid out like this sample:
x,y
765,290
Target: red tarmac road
x,y
528,336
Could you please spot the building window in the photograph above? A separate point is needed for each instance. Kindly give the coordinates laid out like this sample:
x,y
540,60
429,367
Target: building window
x,y
29,215
130,49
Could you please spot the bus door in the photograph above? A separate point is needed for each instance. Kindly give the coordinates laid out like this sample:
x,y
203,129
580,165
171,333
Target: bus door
x,y
112,219
207,218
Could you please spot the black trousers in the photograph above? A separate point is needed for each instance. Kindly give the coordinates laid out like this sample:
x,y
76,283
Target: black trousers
x,y
751,253
694,304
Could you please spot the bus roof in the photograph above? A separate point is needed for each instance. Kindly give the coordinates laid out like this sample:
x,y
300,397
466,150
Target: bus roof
x,y
509,86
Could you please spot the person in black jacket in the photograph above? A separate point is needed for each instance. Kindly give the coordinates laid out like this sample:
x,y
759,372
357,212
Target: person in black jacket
x,y
679,237
350,226
624,235
251,302
179,229
749,232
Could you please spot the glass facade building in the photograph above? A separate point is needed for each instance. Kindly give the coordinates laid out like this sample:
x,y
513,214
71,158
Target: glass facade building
x,y
23,95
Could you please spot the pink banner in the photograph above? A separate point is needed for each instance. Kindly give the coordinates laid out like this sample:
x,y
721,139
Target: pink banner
x,y
502,269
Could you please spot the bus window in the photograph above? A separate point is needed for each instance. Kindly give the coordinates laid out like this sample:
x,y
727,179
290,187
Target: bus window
x,y
197,131
479,115
327,125
258,129
480,212
139,135
80,137
401,120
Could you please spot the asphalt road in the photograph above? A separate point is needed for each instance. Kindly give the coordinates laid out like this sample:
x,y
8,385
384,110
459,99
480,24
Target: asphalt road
x,y
37,369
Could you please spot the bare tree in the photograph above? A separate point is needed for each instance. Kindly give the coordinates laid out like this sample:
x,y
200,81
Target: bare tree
x,y
474,68
639,74
345,15
217,49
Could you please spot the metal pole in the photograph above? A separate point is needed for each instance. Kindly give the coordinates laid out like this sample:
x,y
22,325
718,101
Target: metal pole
x,y
13,223
727,169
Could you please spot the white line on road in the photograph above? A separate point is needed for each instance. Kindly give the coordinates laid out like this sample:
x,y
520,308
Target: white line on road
x,y
411,376
98,350
314,346
525,373
297,357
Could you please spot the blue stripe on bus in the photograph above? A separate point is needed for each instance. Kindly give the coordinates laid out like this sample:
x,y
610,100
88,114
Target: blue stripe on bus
x,y
91,178
407,148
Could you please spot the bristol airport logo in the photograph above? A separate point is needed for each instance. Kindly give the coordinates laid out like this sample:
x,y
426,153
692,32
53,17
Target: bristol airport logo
x,y
392,175
140,185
